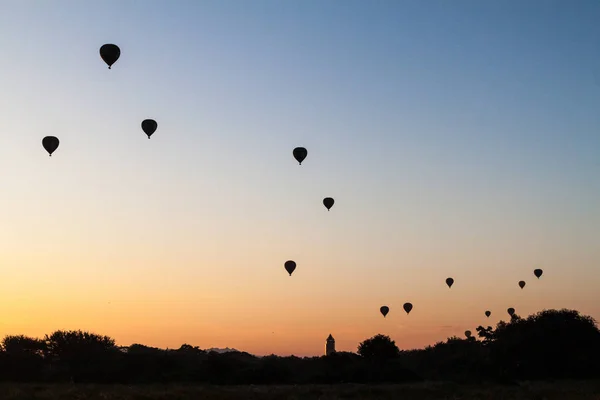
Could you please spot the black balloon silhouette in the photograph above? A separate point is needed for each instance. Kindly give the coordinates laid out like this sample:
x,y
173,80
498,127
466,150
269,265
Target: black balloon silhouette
x,y
488,313
50,143
110,53
384,310
300,154
468,334
149,127
328,202
538,272
290,266
510,311
449,282
521,284
407,307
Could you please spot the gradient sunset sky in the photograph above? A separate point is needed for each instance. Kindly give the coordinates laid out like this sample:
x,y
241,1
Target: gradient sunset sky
x,y
458,138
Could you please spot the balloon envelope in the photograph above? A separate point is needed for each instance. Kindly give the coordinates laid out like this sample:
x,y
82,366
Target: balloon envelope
x,y
290,266
328,202
538,272
511,311
384,310
149,127
110,53
50,143
488,313
449,282
521,284
407,307
300,154
468,334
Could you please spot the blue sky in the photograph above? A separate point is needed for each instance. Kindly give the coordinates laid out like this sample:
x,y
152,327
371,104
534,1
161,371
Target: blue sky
x,y
458,138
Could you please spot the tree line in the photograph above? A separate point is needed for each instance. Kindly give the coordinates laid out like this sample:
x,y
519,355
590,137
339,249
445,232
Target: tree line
x,y
552,344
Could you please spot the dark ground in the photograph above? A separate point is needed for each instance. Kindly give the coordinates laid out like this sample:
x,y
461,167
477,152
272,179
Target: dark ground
x,y
570,390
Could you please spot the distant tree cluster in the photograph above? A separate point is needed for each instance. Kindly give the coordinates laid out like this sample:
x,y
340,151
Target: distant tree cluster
x,y
552,344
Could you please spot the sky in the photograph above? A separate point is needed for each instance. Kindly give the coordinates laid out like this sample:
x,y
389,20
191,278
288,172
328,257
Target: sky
x,y
459,139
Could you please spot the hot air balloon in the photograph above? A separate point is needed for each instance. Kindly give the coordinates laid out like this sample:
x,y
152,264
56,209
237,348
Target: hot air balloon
x,y
488,313
300,154
328,202
521,284
149,127
468,334
407,307
290,266
449,282
510,311
384,310
50,143
110,53
538,272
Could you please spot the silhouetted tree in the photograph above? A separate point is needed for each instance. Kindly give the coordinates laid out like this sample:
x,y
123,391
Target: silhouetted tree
x,y
549,344
69,344
22,359
487,334
80,354
378,352
379,347
20,344
189,349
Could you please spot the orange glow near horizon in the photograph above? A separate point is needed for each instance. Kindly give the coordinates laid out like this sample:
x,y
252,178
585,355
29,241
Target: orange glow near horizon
x,y
290,317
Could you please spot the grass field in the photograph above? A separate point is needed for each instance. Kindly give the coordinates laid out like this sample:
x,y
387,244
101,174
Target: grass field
x,y
426,391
